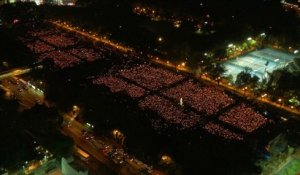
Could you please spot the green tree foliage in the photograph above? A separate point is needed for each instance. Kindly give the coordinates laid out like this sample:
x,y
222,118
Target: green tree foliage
x,y
19,131
245,78
216,70
44,123
21,11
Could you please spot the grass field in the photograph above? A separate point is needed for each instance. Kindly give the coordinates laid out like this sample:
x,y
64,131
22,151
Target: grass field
x,y
292,168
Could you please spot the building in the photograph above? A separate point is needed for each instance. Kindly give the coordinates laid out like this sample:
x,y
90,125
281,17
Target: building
x,y
71,168
39,2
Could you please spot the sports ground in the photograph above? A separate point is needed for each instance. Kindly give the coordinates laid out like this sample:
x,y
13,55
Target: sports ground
x,y
260,61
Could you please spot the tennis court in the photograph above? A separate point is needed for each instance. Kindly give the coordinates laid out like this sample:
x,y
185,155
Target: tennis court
x,y
260,61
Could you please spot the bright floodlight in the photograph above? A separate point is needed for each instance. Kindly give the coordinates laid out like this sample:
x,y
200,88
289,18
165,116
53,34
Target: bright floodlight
x,y
160,39
296,51
249,38
262,34
230,45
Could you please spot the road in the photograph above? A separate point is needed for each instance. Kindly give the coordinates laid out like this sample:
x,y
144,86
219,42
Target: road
x,y
116,158
291,6
13,73
27,94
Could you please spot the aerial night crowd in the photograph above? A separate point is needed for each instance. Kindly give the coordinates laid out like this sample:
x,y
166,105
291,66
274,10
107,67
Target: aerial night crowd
x,y
180,101
63,49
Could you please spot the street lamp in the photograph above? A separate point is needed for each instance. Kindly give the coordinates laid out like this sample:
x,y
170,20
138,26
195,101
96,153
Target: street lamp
x,y
263,34
218,80
244,89
76,108
280,100
166,159
263,96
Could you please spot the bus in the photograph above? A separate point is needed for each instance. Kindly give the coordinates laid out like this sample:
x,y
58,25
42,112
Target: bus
x,y
82,154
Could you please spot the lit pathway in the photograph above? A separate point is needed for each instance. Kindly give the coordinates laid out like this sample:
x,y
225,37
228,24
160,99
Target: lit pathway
x,y
92,36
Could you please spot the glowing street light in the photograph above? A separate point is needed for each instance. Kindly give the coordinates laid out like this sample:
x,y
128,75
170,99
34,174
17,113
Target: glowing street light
x,y
280,101
160,39
244,89
249,38
166,159
76,108
90,125
263,34
264,95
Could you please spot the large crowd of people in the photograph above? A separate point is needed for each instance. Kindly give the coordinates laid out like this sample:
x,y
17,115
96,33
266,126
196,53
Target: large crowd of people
x,y
206,99
169,112
51,44
118,85
59,40
216,129
42,32
87,54
136,81
151,77
60,59
39,47
244,117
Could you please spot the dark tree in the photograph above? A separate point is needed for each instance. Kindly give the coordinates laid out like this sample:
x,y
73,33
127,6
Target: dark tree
x,y
217,70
